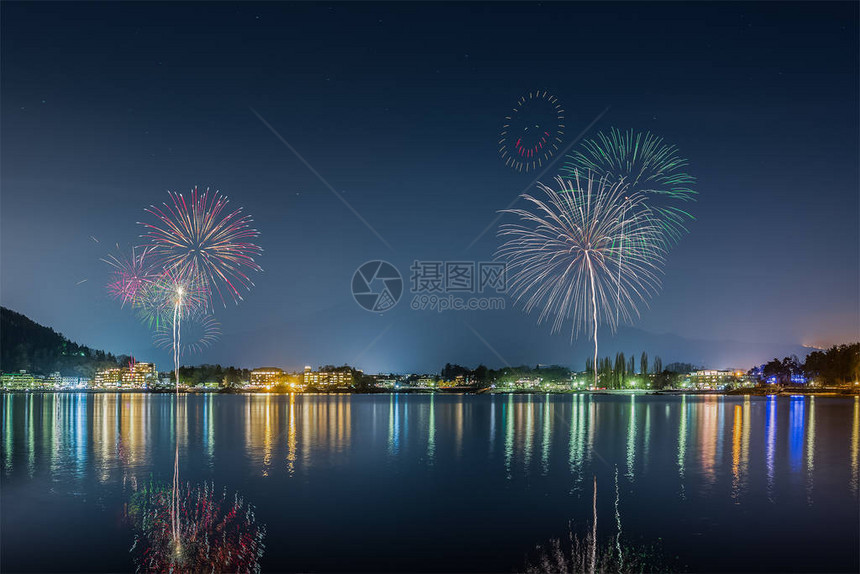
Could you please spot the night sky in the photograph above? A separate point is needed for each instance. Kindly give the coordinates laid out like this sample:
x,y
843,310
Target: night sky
x,y
399,108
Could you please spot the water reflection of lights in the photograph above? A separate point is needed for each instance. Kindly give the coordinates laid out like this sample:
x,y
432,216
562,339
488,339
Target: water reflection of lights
x,y
646,440
109,438
810,449
546,436
291,437
576,452
740,447
509,435
682,443
631,439
393,424
8,426
707,431
855,446
770,444
736,450
795,432
431,430
745,440
529,434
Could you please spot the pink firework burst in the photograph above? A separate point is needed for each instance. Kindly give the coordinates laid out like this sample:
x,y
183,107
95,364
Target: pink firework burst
x,y
132,274
201,237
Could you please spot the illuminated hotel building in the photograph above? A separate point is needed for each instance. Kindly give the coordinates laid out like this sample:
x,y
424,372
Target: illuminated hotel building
x,y
137,375
108,378
266,376
714,378
19,380
74,382
328,378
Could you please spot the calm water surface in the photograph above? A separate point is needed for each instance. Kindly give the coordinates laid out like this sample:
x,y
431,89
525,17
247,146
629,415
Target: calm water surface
x,y
442,483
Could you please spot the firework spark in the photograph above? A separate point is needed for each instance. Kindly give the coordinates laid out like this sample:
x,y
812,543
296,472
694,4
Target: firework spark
x,y
202,238
158,298
648,166
131,276
563,257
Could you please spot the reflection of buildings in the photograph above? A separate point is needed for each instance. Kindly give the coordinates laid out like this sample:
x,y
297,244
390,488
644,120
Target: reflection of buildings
x,y
855,446
120,433
770,443
283,428
707,430
328,378
740,447
262,426
796,421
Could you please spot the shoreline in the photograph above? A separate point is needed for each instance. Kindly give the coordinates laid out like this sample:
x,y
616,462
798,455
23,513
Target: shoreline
x,y
844,393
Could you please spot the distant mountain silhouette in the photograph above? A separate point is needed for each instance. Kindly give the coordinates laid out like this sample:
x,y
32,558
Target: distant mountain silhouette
x,y
708,353
27,345
401,341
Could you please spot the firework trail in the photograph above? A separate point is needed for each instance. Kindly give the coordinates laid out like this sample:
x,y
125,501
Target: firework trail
x,y
563,255
157,300
218,533
202,238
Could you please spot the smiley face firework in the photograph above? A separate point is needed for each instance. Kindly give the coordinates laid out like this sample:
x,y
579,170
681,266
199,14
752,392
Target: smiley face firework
x,y
532,132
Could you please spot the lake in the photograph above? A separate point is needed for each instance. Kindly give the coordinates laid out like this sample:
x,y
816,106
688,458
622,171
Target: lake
x,y
442,482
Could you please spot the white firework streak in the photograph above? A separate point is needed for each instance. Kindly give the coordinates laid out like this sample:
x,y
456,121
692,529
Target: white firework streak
x,y
589,253
207,327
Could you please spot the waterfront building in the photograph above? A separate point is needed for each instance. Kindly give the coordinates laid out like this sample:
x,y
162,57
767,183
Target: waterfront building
x,y
20,381
139,375
328,378
428,382
135,376
108,378
53,381
74,382
714,379
266,377
386,381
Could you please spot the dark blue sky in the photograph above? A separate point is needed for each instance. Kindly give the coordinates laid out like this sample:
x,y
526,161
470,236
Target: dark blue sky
x,y
398,107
